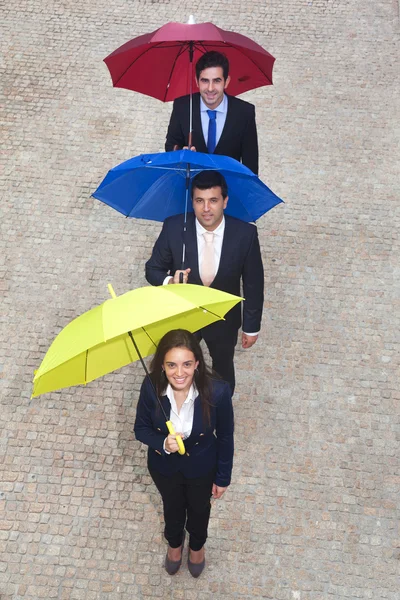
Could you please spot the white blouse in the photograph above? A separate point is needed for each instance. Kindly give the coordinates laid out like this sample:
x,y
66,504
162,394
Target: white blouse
x,y
182,421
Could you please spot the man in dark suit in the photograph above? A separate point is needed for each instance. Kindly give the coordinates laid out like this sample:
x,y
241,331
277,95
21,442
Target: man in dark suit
x,y
220,251
222,124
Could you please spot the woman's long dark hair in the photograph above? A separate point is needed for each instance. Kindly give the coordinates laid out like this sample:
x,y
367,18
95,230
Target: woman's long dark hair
x,y
181,338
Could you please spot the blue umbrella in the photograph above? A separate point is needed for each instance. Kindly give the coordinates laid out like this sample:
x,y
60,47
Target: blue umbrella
x,y
156,186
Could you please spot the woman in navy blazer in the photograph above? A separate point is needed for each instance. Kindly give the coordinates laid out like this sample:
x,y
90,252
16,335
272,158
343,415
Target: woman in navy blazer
x,y
200,407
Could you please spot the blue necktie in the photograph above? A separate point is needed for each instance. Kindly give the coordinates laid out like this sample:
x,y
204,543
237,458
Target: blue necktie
x,y
212,131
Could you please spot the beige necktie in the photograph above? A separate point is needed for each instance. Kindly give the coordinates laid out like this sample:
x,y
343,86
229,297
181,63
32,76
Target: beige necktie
x,y
208,260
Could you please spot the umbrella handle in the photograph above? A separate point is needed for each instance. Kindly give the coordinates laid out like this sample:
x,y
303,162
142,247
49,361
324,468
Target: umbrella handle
x,y
178,438
180,277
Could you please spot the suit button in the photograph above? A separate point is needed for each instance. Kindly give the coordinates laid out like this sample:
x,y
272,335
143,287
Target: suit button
x,y
158,429
158,452
197,443
201,434
187,454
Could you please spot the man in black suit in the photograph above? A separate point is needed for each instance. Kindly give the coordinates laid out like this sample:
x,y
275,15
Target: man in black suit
x,y
221,251
235,121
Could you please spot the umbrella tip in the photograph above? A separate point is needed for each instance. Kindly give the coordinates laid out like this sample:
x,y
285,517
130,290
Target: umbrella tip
x,y
192,20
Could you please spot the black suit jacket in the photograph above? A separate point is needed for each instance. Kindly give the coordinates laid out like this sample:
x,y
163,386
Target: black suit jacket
x,y
204,450
238,138
240,260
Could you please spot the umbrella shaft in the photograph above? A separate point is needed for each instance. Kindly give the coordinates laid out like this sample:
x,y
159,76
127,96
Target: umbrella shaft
x,y
191,51
147,373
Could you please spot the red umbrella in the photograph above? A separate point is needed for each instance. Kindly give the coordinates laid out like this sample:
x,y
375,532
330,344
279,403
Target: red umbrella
x,y
159,64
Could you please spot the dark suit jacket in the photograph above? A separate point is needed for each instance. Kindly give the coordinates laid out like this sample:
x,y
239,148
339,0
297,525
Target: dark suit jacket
x,y
204,450
240,259
238,138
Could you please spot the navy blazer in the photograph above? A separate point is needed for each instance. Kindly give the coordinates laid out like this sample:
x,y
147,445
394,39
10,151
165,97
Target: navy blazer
x,y
208,446
238,138
240,260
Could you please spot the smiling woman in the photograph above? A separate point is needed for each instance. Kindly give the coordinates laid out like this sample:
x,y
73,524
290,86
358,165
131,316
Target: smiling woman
x,y
200,408
179,367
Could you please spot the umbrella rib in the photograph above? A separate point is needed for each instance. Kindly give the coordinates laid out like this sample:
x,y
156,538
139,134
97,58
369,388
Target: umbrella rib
x,y
227,44
212,313
136,59
201,46
258,67
182,49
148,335
86,362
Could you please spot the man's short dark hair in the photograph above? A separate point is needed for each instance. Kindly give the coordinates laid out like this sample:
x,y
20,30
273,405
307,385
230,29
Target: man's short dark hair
x,y
212,59
209,179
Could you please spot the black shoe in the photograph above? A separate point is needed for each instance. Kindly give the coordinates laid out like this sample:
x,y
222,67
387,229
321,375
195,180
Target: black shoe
x,y
173,566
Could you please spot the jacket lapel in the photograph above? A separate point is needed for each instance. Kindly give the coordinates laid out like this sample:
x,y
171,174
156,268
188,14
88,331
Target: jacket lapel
x,y
226,252
167,408
228,124
192,253
197,128
198,426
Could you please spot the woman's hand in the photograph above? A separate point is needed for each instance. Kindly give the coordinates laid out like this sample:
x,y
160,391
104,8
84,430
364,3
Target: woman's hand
x,y
217,491
171,445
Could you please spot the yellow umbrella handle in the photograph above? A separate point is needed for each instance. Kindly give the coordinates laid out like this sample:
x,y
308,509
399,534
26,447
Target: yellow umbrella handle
x,y
178,438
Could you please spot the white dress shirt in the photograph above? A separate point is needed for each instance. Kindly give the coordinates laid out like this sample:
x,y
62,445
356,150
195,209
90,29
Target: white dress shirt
x,y
182,420
222,111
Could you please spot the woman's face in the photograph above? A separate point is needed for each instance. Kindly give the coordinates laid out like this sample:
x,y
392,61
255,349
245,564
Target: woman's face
x,y
179,366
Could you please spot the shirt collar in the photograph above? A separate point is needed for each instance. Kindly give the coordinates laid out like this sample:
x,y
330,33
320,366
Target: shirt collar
x,y
191,397
219,231
222,108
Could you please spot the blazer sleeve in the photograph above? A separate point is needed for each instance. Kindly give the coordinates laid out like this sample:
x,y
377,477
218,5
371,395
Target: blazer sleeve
x,y
144,427
175,135
160,263
253,286
250,142
224,434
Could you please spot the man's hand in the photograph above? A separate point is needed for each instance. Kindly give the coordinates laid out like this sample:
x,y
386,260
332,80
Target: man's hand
x,y
217,491
176,147
171,445
248,340
175,278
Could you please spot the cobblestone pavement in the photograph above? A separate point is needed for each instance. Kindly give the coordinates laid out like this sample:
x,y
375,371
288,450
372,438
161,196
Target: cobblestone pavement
x,y
313,511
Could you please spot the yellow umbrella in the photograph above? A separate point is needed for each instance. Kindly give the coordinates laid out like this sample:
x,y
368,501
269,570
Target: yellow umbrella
x,y
124,329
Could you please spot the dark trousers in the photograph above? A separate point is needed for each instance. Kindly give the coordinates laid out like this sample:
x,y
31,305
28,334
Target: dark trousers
x,y
186,502
222,352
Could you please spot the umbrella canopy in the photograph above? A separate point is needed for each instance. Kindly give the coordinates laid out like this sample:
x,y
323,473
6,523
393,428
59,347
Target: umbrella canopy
x,y
158,64
100,340
153,186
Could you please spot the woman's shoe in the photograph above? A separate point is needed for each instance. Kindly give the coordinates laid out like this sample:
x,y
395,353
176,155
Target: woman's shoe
x,y
173,566
196,569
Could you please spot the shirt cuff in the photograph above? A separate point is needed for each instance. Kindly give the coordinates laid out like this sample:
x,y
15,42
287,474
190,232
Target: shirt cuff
x,y
251,334
166,451
166,280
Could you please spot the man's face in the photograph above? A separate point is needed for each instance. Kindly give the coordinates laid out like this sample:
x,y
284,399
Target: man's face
x,y
211,86
208,206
